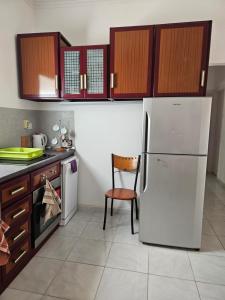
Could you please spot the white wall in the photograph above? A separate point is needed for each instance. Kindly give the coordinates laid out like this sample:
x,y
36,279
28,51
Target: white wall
x,y
104,128
89,21
16,16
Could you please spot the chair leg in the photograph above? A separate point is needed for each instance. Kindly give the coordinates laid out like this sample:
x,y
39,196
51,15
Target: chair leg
x,y
137,212
132,218
105,213
112,207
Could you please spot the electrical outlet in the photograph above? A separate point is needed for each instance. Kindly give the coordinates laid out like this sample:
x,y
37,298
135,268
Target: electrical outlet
x,y
27,124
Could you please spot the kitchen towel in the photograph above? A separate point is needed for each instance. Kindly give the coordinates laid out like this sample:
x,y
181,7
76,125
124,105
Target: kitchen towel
x,y
52,201
73,164
4,247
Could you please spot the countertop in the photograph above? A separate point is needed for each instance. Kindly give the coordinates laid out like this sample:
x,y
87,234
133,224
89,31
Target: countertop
x,y
11,171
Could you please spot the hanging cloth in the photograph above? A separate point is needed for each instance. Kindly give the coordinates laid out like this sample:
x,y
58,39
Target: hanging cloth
x,y
52,201
4,247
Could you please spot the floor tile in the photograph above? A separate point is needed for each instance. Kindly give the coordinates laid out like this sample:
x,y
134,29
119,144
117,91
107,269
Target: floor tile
x,y
208,268
207,228
128,257
58,246
11,294
90,252
219,227
84,214
164,288
122,285
37,275
73,228
169,262
123,235
51,298
211,292
76,282
94,231
211,246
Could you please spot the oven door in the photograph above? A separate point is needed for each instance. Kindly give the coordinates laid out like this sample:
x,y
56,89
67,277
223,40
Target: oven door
x,y
40,230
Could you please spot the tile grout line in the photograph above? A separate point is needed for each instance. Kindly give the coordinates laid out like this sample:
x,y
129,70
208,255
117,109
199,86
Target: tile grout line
x,y
102,272
194,276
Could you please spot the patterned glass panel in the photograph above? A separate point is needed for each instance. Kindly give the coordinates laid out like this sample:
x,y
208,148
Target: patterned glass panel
x,y
72,72
95,71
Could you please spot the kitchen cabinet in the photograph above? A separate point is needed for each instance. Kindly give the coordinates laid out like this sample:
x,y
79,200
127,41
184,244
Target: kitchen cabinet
x,y
131,56
38,64
84,72
181,58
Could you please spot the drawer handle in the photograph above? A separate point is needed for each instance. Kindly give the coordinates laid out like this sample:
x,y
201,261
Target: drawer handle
x,y
53,171
19,213
81,82
203,78
14,192
112,84
85,81
19,235
19,257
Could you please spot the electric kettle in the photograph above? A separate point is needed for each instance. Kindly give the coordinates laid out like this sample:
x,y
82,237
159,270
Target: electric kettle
x,y
40,140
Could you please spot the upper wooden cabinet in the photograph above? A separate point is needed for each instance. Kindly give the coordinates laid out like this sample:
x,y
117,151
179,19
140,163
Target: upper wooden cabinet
x,y
38,63
131,54
84,72
181,58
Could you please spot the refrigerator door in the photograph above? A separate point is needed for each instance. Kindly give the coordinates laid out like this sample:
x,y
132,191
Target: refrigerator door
x,y
171,203
176,125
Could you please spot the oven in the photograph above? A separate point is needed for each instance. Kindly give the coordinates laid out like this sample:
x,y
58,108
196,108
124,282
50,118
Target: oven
x,y
41,230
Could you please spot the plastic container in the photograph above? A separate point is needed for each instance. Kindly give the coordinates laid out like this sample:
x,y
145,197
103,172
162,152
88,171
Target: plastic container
x,y
20,153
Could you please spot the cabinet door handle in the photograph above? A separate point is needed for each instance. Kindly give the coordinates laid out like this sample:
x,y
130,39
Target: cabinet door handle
x,y
203,78
85,81
19,213
56,82
81,82
14,192
19,235
20,256
112,80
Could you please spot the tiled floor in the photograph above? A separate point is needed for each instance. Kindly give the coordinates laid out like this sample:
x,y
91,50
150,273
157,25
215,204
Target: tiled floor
x,y
83,262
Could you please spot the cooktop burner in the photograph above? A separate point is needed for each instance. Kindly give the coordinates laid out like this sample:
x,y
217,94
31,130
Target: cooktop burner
x,y
25,162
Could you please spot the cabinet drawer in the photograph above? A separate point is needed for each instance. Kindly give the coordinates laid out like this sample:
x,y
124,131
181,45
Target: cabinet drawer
x,y
38,177
17,258
18,234
17,212
14,189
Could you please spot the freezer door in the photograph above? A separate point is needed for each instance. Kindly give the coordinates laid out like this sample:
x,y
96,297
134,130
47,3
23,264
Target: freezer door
x,y
171,204
176,125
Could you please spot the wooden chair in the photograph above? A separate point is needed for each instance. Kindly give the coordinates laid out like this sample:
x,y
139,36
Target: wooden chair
x,y
125,164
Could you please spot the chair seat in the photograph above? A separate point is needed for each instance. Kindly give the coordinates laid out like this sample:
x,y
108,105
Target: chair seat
x,y
121,194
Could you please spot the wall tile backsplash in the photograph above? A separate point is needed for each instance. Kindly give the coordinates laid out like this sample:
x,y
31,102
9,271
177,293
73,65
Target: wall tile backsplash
x,y
11,124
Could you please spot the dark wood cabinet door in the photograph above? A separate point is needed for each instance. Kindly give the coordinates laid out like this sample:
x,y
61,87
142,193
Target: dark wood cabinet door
x,y
131,54
181,59
95,71
38,64
72,78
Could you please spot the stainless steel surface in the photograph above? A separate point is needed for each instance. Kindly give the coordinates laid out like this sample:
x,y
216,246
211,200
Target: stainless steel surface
x,y
47,231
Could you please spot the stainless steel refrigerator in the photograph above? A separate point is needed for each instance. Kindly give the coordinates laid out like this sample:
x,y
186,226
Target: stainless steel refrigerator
x,y
173,170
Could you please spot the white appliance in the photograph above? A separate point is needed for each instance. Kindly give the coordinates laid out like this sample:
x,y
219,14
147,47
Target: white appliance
x,y
69,189
173,172
40,140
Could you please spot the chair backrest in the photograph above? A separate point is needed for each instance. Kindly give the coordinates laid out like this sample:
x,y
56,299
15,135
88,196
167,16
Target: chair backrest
x,y
126,164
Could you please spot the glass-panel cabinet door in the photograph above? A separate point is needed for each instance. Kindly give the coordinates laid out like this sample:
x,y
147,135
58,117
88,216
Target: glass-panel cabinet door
x,y
72,72
95,74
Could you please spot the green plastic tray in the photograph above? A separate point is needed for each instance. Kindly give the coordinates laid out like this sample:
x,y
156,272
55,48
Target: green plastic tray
x,y
20,153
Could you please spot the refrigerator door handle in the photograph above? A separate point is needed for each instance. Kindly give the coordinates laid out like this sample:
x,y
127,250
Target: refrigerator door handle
x,y
146,132
144,175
